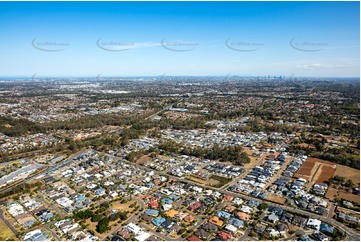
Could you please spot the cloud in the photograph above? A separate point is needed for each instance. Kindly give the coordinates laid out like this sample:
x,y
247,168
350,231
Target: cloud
x,y
123,46
310,66
317,66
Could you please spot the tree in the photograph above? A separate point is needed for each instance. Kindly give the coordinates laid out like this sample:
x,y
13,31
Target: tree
x,y
339,179
252,233
82,215
170,146
233,153
123,215
105,205
349,183
114,216
132,156
263,206
103,225
319,146
96,218
181,231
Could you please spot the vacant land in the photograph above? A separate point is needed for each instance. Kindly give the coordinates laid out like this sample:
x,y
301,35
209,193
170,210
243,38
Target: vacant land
x,y
325,174
124,207
348,173
336,193
5,232
214,180
81,136
218,181
93,225
143,159
198,180
306,169
275,198
253,159
113,225
316,170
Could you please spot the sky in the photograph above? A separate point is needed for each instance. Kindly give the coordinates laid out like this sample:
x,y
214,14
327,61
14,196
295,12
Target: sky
x,y
316,39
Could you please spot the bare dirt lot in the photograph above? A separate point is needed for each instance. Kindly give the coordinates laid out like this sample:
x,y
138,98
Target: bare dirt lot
x,y
348,173
275,198
143,159
336,193
316,170
198,180
325,174
214,180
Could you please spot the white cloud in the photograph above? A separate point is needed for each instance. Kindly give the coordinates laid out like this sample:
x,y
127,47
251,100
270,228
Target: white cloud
x,y
121,45
315,66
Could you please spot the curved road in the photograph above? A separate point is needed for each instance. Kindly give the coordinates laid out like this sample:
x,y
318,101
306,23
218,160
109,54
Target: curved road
x,y
351,234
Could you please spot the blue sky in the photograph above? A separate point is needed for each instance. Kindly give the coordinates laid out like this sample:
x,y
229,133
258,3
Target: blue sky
x,y
179,38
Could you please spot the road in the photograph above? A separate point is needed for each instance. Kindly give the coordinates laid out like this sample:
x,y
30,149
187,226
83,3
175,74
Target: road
x,y
48,168
47,227
142,205
29,178
165,108
351,234
259,161
57,210
156,233
55,166
245,235
278,174
313,177
331,210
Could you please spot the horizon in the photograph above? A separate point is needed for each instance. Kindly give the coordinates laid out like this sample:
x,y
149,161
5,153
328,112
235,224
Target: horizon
x,y
175,76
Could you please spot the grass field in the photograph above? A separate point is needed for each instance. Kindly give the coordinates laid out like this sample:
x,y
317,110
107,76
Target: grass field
x,y
5,232
198,180
275,198
348,173
218,181
336,193
253,159
123,207
214,180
